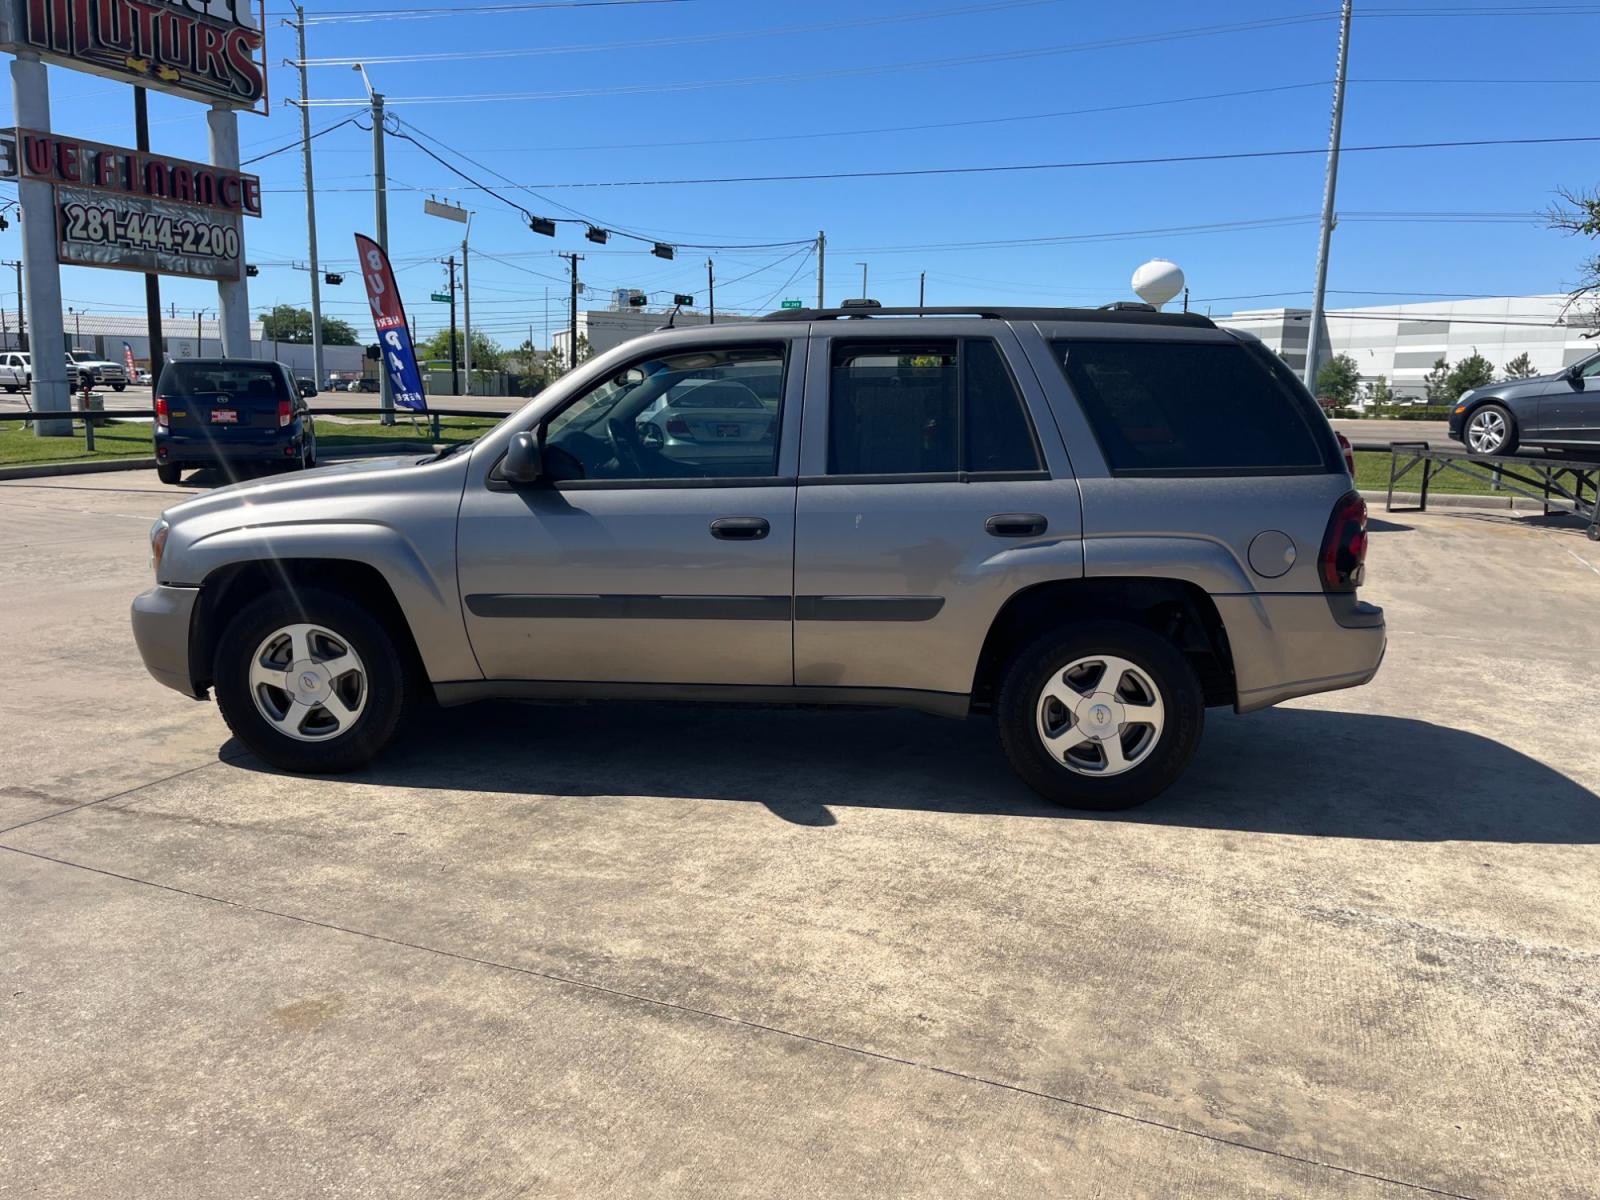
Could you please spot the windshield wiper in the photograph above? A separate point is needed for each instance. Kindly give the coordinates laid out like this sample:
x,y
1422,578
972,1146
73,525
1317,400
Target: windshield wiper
x,y
448,451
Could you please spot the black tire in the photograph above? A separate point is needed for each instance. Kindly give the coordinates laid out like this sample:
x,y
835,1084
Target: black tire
x,y
385,691
1021,697
1509,446
13,387
117,387
169,472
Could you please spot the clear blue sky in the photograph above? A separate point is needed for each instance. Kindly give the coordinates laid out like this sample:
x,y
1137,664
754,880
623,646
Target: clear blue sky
x,y
827,68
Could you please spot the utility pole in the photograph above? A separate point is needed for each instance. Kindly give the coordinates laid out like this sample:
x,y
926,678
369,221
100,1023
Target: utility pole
x,y
863,267
922,289
1314,337
572,320
152,281
711,286
380,201
822,255
311,202
455,374
466,302
22,305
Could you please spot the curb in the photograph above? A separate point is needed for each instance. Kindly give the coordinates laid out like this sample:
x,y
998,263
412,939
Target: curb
x,y
46,470
1437,500
100,467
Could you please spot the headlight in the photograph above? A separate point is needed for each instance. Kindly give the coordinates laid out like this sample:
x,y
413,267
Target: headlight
x,y
158,543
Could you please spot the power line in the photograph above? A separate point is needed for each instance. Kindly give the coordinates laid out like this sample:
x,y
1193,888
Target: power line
x,y
347,15
1158,160
853,72
298,142
690,39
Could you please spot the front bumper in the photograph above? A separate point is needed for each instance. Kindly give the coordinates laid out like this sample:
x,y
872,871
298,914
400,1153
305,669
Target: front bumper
x,y
1296,645
162,619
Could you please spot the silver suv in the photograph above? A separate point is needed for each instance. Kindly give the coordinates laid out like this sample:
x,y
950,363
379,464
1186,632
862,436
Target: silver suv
x,y
1091,524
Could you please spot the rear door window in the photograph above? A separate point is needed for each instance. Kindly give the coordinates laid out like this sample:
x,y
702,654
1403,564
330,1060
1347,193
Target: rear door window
x,y
941,407
1190,408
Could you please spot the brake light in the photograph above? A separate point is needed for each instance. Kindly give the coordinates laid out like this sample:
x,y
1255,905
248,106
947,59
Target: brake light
x,y
679,428
285,412
1349,453
1344,547
162,417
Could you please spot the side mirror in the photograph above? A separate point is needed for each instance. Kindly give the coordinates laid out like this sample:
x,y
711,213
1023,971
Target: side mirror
x,y
524,460
1574,375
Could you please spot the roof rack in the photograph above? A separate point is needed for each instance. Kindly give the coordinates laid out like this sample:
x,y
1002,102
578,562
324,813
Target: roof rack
x,y
1122,313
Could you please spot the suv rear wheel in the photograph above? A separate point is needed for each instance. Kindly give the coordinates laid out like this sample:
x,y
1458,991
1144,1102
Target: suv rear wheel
x,y
1101,716
309,681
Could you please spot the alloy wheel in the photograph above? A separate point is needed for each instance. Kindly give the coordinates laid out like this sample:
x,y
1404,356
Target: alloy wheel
x,y
1486,432
1100,715
308,682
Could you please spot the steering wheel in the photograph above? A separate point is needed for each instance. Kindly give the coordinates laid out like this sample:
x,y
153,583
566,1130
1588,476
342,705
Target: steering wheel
x,y
621,434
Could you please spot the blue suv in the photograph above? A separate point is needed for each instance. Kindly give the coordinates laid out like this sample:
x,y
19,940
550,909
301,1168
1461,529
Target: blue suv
x,y
219,412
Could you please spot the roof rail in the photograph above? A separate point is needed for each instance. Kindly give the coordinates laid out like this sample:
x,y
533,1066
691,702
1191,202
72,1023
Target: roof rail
x,y
1123,312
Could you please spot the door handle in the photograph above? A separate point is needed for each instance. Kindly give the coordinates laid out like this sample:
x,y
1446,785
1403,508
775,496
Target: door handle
x,y
1016,524
740,529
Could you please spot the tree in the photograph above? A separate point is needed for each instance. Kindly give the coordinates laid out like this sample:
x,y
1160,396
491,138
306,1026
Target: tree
x,y
1473,371
1520,367
1437,382
486,352
1379,393
1338,380
286,323
1578,214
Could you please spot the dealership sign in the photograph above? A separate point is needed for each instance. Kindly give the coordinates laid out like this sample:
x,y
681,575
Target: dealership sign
x,y
211,50
135,210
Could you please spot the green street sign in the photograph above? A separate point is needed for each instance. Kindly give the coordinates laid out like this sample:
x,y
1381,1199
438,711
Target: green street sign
x,y
792,304
441,298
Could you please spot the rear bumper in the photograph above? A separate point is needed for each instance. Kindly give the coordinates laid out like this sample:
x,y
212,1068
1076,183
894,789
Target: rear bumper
x,y
1296,645
200,450
162,618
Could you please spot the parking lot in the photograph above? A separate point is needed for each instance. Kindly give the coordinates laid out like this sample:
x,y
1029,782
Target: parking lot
x,y
645,950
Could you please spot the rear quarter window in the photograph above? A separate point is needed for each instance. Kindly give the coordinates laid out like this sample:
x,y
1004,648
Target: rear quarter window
x,y
1191,408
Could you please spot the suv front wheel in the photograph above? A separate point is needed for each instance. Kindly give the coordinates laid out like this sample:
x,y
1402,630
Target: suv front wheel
x,y
309,682
1101,716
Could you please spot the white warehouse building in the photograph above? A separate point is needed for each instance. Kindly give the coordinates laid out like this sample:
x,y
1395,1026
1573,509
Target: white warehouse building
x,y
1401,342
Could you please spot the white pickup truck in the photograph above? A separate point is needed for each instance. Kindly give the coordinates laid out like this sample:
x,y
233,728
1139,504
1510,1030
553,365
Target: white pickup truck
x,y
95,371
16,370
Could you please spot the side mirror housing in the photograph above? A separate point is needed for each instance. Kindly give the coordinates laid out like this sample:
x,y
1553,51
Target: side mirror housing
x,y
1574,375
524,460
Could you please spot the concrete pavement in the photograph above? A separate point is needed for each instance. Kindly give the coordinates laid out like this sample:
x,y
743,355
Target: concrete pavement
x,y
648,950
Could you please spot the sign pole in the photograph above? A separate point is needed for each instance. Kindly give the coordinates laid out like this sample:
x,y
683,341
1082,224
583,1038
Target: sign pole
x,y
152,281
233,295
455,369
30,89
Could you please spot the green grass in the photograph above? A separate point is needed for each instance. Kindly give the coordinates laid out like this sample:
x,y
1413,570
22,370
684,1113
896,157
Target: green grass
x,y
1372,474
20,446
334,435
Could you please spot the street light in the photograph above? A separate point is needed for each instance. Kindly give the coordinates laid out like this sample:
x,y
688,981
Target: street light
x,y
77,325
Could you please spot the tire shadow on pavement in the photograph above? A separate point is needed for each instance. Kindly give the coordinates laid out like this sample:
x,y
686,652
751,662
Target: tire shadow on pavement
x,y
1308,772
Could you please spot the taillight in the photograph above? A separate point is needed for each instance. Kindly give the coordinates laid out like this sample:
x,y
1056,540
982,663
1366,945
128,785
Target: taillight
x,y
285,412
679,428
162,419
1344,547
1349,453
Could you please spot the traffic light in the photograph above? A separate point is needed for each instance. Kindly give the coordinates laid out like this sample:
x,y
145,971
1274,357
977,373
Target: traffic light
x,y
374,352
252,270
333,277
637,300
662,250
597,235
542,225
683,301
